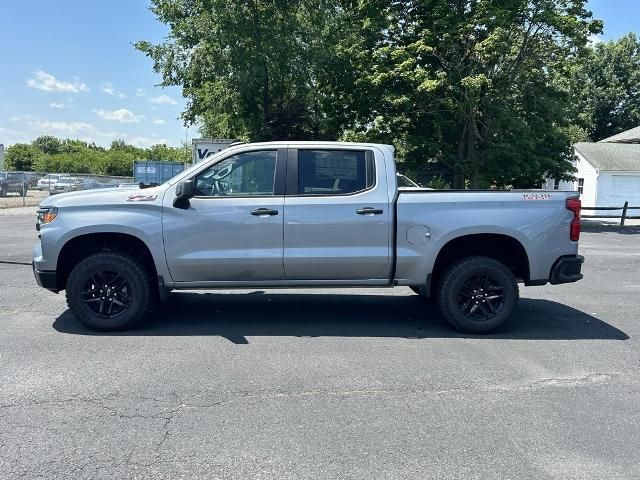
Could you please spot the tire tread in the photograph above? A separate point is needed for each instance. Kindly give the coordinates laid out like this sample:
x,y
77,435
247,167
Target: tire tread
x,y
117,257
456,269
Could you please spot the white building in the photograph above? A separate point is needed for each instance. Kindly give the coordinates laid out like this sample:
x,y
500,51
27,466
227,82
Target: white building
x,y
608,171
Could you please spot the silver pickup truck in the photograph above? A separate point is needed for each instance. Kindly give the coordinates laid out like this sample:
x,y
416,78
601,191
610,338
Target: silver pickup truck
x,y
303,214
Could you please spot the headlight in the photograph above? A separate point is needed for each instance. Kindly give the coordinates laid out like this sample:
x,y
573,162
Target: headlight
x,y
46,215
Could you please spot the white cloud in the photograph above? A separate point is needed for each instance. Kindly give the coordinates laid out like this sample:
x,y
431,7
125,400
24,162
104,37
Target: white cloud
x,y
140,92
145,142
46,126
64,128
57,105
23,118
107,88
48,83
163,100
31,127
10,136
121,115
158,121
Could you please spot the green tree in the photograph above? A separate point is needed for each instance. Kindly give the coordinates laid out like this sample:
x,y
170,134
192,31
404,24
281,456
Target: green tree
x,y
470,84
163,152
121,146
605,88
21,157
47,144
248,68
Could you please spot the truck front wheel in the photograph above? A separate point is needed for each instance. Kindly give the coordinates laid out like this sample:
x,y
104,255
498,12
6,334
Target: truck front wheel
x,y
108,291
477,294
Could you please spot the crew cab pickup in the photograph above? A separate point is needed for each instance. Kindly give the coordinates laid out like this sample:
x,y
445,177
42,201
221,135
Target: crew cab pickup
x,y
13,182
303,214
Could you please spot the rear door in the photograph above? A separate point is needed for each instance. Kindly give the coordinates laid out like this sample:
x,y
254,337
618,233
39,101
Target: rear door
x,y
232,231
337,222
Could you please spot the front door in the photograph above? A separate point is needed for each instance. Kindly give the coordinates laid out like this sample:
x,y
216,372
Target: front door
x,y
232,231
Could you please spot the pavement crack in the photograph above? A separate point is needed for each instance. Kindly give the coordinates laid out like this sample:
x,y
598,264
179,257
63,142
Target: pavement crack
x,y
170,412
572,381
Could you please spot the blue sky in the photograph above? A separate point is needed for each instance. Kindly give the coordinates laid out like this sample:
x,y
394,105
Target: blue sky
x,y
67,68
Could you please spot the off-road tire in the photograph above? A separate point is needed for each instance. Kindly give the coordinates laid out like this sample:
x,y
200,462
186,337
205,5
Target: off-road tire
x,y
454,288
139,290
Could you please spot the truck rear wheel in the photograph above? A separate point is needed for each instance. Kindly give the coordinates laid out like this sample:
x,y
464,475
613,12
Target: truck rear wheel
x,y
108,291
477,294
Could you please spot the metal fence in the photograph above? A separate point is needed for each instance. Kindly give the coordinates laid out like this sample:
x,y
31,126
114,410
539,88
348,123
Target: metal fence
x,y
19,184
623,216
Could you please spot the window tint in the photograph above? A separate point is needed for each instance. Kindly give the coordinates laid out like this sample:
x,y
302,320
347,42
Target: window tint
x,y
250,173
334,172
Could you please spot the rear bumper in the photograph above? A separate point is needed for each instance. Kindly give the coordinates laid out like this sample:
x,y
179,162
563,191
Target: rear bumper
x,y
46,279
567,269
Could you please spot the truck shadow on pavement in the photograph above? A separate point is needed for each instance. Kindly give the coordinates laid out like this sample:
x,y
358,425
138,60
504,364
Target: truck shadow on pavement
x,y
237,316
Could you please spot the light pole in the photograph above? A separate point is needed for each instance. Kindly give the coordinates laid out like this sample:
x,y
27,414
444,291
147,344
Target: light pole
x,y
186,146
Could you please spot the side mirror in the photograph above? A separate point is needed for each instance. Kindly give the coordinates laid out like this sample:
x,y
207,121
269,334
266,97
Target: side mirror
x,y
184,191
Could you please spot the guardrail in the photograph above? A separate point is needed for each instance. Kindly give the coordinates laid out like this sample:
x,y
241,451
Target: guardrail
x,y
625,208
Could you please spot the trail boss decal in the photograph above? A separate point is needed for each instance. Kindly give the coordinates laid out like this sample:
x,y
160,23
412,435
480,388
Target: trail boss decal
x,y
537,196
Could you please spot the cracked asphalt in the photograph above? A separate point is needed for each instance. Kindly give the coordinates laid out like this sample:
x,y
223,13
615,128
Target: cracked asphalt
x,y
345,384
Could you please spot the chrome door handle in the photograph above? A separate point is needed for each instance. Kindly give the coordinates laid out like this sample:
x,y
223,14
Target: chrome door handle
x,y
264,212
369,211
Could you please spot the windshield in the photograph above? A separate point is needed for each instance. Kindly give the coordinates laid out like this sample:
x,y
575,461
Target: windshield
x,y
186,173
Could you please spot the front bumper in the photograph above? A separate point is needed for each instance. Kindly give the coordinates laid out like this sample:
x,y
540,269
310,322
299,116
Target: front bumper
x,y
567,269
46,279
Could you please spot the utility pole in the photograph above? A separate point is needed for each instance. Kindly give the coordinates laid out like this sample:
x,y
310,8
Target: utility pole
x,y
186,146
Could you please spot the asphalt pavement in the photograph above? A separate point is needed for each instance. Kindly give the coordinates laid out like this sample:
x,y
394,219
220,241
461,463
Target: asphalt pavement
x,y
349,384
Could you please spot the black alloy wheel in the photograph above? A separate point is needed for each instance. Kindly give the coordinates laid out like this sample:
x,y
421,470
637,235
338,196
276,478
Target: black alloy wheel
x,y
481,297
108,294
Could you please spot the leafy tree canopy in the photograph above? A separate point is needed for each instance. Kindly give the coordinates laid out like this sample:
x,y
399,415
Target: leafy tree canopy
x,y
50,154
471,88
605,88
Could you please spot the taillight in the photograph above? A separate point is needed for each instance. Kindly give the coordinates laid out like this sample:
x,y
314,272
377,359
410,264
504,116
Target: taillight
x,y
574,204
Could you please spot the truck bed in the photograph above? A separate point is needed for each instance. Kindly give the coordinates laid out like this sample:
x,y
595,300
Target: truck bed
x,y
428,219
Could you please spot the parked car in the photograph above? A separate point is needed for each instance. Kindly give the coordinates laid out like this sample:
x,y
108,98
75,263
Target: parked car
x,y
304,214
89,183
13,182
67,184
47,182
31,179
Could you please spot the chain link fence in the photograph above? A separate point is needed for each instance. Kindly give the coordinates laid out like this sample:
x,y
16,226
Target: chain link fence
x,y
29,188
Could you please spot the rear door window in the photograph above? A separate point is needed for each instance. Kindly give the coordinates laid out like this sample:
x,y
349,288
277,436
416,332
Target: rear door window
x,y
334,172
